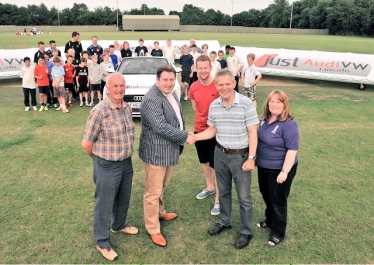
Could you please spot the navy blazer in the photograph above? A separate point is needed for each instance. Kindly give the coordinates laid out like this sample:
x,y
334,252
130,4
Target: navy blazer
x,y
161,136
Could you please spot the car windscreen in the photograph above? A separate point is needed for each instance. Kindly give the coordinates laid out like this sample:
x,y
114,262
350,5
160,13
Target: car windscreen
x,y
141,66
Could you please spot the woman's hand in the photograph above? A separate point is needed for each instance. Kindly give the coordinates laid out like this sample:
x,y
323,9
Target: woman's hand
x,y
282,177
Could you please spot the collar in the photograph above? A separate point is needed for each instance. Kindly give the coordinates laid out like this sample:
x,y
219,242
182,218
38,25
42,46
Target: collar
x,y
236,99
113,105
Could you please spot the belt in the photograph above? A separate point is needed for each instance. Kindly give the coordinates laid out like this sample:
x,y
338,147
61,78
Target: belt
x,y
232,151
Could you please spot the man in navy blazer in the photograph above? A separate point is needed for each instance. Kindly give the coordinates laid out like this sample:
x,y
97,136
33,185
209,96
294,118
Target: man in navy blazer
x,y
161,141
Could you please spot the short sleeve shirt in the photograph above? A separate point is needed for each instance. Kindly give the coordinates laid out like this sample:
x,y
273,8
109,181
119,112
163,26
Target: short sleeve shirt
x,y
112,130
250,73
231,123
57,72
274,140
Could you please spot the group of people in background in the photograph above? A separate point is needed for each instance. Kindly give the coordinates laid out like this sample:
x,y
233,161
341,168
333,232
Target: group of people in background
x,y
231,139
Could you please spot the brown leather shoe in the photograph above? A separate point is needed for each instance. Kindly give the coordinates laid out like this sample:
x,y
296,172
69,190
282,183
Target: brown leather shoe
x,y
158,239
168,216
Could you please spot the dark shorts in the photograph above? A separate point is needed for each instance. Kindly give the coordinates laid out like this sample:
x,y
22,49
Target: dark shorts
x,y
69,87
185,77
95,87
43,89
205,151
82,88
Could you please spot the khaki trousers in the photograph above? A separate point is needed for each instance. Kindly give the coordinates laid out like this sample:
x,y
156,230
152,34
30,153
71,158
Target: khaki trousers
x,y
156,179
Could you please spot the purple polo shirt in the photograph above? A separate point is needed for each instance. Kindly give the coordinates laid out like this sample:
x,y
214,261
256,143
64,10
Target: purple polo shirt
x,y
274,140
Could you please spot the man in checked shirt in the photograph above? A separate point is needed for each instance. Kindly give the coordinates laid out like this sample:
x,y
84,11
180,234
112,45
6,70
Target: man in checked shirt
x,y
109,140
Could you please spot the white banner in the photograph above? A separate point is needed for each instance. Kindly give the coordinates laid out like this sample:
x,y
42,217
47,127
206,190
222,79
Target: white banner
x,y
330,66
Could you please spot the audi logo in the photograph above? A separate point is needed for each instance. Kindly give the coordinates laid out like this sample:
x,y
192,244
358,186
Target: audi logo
x,y
138,98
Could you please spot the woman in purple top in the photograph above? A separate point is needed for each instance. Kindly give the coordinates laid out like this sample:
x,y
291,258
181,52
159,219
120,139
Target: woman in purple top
x,y
278,142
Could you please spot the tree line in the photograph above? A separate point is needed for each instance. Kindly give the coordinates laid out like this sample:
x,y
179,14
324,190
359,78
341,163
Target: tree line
x,y
340,17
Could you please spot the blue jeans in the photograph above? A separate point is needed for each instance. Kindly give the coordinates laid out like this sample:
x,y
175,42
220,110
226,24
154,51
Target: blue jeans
x,y
228,168
275,197
113,182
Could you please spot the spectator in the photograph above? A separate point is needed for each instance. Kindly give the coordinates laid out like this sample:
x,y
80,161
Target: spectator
x,y
215,64
40,52
75,45
57,74
53,46
28,84
41,74
250,77
141,50
186,61
235,65
169,51
156,51
221,60
95,49
126,52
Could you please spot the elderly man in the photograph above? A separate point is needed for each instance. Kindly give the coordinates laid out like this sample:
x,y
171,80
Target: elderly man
x,y
161,142
233,120
109,140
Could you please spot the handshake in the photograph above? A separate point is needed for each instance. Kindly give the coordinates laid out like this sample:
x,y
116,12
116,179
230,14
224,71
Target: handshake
x,y
191,139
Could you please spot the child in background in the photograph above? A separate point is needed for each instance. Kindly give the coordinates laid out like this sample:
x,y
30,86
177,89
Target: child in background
x,y
50,94
41,74
82,81
105,65
113,56
250,77
57,74
95,74
205,48
221,60
28,84
215,65
186,61
156,51
69,78
85,56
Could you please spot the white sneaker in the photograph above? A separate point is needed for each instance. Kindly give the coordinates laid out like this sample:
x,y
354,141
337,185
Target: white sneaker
x,y
27,108
215,209
91,104
81,104
87,105
185,98
35,108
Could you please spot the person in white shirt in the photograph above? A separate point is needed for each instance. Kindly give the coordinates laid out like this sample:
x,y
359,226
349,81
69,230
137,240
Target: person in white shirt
x,y
215,64
235,65
169,51
250,77
28,84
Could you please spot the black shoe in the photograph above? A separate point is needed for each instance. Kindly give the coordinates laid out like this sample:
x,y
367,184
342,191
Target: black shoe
x,y
242,241
218,228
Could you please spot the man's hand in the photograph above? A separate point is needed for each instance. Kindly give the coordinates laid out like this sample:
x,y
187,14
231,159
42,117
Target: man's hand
x,y
191,139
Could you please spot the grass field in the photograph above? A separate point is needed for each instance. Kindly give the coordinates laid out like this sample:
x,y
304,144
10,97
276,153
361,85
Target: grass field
x,y
298,42
47,189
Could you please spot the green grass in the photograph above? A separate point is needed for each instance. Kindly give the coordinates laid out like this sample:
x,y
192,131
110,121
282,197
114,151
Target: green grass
x,y
46,202
287,41
47,189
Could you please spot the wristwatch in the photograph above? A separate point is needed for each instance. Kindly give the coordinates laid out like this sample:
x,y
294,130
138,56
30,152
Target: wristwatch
x,y
252,157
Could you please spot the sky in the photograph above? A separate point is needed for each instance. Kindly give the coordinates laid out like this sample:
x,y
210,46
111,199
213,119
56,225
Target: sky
x,y
225,6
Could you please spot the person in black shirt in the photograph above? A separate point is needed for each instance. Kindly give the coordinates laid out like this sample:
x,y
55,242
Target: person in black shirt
x,y
141,50
156,51
221,60
126,52
82,81
40,52
53,46
74,44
